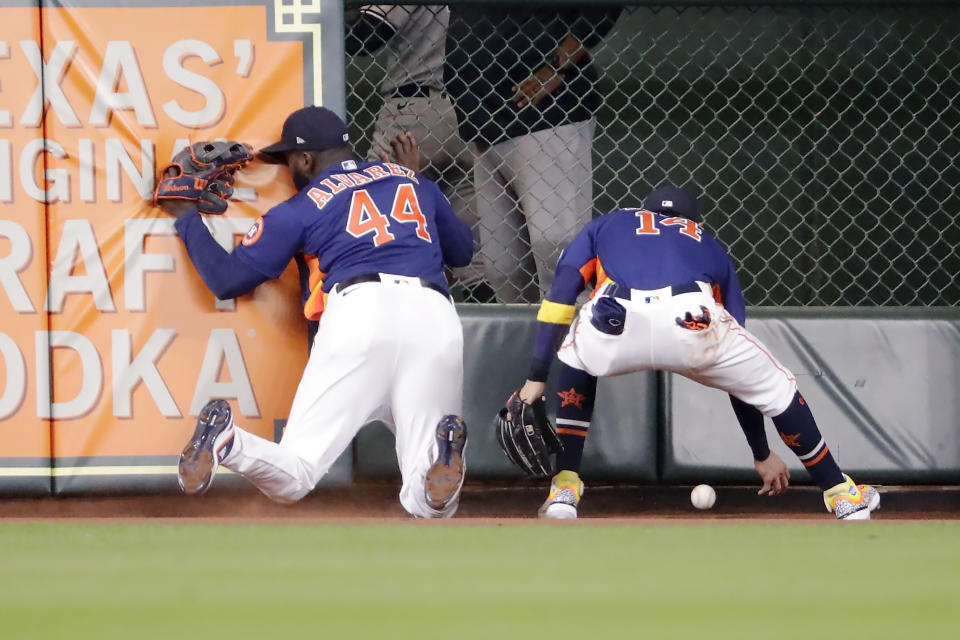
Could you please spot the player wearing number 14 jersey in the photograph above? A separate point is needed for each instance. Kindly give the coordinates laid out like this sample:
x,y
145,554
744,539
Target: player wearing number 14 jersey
x,y
389,344
666,297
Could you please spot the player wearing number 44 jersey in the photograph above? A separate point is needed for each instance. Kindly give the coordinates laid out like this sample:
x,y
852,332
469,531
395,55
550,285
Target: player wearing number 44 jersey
x,y
666,297
389,344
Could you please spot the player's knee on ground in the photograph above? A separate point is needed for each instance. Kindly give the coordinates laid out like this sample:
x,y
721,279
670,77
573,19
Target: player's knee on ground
x,y
413,497
290,495
420,508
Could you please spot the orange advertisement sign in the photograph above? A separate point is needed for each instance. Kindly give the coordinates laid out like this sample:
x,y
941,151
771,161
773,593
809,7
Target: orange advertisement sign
x,y
23,259
131,343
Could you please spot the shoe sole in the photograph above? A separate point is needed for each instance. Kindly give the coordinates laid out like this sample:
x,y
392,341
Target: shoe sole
x,y
559,511
445,476
862,514
198,462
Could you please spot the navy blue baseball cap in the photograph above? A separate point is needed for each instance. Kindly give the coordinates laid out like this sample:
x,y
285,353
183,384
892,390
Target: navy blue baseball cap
x,y
307,129
672,200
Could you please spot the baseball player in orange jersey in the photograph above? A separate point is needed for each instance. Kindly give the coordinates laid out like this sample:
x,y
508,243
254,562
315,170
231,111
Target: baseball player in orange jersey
x,y
666,296
389,344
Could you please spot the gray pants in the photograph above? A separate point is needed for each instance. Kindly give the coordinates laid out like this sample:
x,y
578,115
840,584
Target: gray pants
x,y
447,159
534,193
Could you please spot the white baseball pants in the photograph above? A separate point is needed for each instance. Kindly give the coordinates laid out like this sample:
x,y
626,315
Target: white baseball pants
x,y
725,355
390,351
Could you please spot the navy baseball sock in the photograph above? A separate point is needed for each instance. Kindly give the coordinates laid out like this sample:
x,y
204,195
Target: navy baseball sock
x,y
577,390
799,431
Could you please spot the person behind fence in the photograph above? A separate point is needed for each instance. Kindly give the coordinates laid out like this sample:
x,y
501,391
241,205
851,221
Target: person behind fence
x,y
415,103
525,93
389,345
666,297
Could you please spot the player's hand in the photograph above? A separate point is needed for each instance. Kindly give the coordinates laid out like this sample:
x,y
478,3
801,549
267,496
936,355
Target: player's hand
x,y
406,151
531,391
775,475
538,86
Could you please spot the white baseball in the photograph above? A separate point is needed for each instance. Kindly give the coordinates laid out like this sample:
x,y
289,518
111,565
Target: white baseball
x,y
703,496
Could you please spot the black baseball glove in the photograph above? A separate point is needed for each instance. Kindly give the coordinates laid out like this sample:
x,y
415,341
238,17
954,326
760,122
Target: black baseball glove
x,y
203,172
527,437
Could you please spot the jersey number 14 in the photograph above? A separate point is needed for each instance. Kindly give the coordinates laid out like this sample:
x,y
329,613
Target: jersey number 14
x,y
649,221
365,217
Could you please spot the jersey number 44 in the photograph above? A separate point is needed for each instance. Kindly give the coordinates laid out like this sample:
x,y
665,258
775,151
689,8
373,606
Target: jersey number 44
x,y
365,217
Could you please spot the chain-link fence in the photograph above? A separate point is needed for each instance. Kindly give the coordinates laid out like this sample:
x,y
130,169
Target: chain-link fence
x,y
823,139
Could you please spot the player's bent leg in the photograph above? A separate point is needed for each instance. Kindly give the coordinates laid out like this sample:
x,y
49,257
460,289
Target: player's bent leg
x,y
576,395
218,441
799,431
432,459
276,470
426,401
744,367
577,391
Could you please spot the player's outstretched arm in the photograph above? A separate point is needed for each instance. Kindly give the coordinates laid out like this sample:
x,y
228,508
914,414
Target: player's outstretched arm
x,y
751,421
773,472
223,273
575,270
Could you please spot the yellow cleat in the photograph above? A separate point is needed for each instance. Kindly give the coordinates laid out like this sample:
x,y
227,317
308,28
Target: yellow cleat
x,y
565,491
850,501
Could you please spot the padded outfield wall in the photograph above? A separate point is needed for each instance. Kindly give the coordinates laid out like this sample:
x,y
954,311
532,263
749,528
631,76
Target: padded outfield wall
x,y
882,384
110,343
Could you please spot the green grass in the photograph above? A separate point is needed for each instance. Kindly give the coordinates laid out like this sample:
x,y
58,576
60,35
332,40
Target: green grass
x,y
418,580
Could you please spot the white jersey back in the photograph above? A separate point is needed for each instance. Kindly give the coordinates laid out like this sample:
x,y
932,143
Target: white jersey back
x,y
416,51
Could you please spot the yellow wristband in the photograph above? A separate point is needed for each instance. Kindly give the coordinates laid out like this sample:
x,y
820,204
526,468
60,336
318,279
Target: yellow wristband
x,y
556,313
